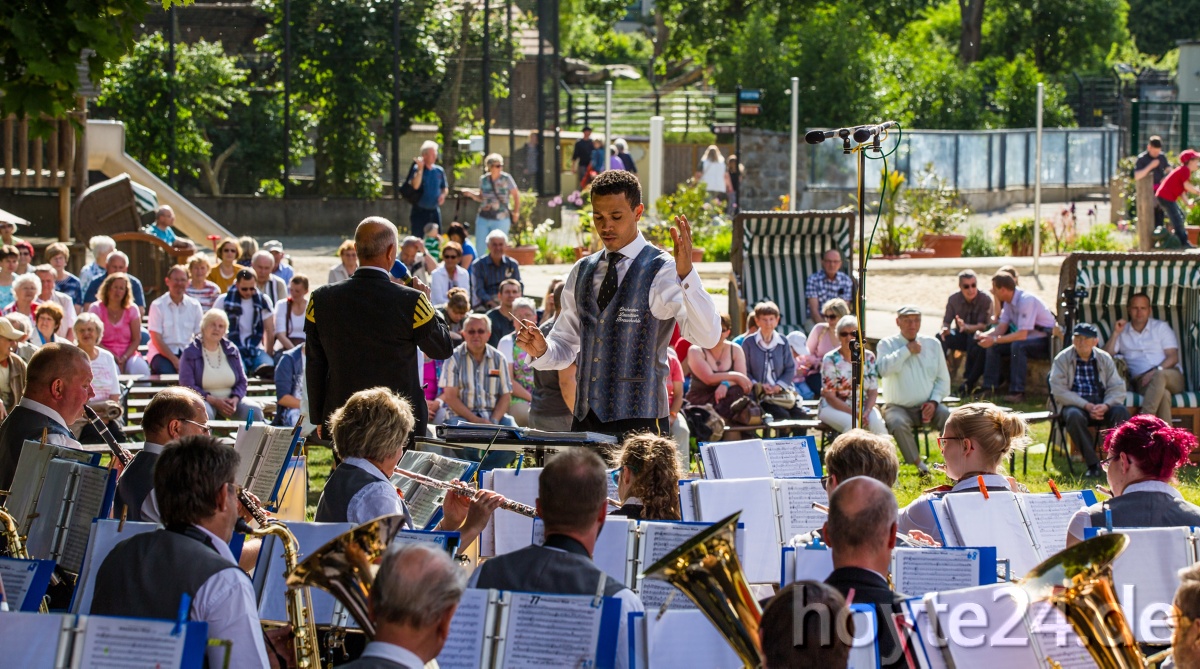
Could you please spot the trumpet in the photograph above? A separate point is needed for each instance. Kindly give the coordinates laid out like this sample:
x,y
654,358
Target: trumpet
x,y
460,488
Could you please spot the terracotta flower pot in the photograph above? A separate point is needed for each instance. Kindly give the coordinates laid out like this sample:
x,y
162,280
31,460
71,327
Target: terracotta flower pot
x,y
524,255
581,252
944,246
1194,234
697,255
922,253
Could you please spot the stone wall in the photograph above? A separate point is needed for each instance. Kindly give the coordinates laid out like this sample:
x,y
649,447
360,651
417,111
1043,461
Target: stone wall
x,y
766,155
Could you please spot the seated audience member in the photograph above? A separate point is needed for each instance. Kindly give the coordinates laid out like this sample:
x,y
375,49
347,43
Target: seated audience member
x,y
164,218
490,271
751,328
122,322
458,304
769,363
827,284
572,501
370,431
821,638
199,287
432,239
106,382
58,382
8,268
719,375
647,477
117,263
680,432
553,391
1151,353
25,296
212,366
148,574
519,361
57,256
251,322
861,533
226,271
450,274
1143,454
174,323
836,371
1185,636
823,338
48,319
101,246
347,263
283,266
247,247
289,386
476,386
1034,322
24,256
1089,391
66,305
501,315
173,413
913,373
289,315
967,311
24,349
976,440
457,233
418,263
855,453
413,600
805,364
13,374
269,285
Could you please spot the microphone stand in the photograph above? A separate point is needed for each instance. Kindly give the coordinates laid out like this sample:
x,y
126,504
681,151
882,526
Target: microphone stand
x,y
858,344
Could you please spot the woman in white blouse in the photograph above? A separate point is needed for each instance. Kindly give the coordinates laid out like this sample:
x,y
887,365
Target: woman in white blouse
x,y
106,382
348,265
289,314
448,275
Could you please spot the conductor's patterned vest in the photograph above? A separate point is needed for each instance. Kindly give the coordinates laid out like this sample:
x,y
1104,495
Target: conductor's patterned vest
x,y
623,350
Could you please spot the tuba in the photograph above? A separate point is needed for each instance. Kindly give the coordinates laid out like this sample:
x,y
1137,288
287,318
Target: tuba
x,y
707,569
1078,581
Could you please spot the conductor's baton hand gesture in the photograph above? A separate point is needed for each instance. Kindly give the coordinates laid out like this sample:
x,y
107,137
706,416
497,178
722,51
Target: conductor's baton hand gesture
x,y
530,337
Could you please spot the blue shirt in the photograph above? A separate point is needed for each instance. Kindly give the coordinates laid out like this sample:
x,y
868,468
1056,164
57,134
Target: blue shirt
x,y
167,235
71,287
289,380
487,275
433,180
284,272
139,298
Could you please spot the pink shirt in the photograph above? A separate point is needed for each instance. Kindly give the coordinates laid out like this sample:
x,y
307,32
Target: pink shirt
x,y
676,374
819,343
116,335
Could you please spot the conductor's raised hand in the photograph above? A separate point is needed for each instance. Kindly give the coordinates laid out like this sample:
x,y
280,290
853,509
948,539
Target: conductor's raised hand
x,y
530,337
681,236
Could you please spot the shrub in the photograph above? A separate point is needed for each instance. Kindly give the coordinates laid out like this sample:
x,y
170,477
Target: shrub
x,y
1101,238
979,244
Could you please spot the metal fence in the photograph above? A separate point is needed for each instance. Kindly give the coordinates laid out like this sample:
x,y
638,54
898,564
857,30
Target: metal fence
x,y
979,160
1178,123
683,111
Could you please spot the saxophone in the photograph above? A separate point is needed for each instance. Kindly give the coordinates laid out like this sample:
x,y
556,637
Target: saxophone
x,y
16,546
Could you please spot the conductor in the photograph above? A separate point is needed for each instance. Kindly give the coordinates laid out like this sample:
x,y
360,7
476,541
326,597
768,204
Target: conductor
x,y
619,308
365,332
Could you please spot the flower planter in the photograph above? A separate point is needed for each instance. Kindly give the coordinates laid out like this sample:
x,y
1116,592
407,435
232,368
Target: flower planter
x,y
697,255
922,253
582,252
1022,249
524,255
1194,234
944,246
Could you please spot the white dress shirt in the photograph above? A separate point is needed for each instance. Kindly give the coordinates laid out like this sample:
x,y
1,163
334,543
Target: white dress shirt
x,y
1083,520
1147,349
393,653
177,324
226,603
51,438
684,300
376,499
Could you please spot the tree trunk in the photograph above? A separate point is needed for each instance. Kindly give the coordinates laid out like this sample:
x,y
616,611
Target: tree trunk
x,y
211,171
970,42
448,111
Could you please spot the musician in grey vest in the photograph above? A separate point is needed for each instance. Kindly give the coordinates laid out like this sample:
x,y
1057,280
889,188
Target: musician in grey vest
x,y
148,575
172,414
619,309
369,433
414,596
1143,454
572,502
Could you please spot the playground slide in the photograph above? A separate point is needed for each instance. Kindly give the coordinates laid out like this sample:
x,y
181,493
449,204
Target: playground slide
x,y
106,154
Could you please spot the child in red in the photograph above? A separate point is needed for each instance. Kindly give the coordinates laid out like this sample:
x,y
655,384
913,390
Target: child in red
x,y
1173,187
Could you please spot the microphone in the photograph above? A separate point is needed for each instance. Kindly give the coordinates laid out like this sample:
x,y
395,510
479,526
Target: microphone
x,y
818,136
866,132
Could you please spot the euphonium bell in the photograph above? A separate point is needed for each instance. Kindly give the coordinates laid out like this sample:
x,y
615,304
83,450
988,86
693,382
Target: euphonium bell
x,y
707,569
346,566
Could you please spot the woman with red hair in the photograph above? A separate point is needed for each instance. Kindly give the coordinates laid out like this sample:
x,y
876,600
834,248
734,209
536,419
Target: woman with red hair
x,y
1143,454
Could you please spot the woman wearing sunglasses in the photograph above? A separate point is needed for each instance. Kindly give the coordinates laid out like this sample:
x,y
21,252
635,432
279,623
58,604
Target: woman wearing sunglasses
x,y
226,270
449,274
647,479
823,338
836,374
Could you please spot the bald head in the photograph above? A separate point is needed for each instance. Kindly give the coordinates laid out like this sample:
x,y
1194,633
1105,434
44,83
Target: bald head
x,y
862,517
376,242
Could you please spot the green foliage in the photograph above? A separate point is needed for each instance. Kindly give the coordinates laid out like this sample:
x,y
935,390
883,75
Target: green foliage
x,y
935,207
1017,235
898,237
690,200
1102,237
1061,36
1156,25
716,239
979,244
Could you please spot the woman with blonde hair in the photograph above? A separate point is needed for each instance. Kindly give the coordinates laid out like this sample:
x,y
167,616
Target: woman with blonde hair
x,y
647,478
122,323
976,440
57,256
348,256
450,274
837,373
713,175
823,338
247,247
226,270
498,197
106,384
199,286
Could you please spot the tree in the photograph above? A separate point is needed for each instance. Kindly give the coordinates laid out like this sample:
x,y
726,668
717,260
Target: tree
x,y
1061,36
970,42
1157,24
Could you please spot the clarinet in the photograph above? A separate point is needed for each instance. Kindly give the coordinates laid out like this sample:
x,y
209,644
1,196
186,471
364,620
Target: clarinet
x,y
123,456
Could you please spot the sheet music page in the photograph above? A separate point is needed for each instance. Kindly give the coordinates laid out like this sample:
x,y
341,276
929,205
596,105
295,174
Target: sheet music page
x,y
1149,592
916,571
101,540
89,499
611,553
27,479
864,653
1056,638
745,459
755,498
796,497
468,627
268,453
1048,518
994,521
658,539
514,531
551,631
17,575
686,639
998,637
949,534
487,538
413,461
791,457
129,643
272,605
812,564
71,498
928,653
30,639
687,501
423,504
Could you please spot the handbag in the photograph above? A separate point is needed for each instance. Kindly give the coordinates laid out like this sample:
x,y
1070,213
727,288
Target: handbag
x,y
411,195
785,398
746,411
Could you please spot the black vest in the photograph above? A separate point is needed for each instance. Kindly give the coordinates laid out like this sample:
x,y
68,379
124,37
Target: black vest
x,y
1146,508
135,485
343,484
22,423
567,571
374,663
145,576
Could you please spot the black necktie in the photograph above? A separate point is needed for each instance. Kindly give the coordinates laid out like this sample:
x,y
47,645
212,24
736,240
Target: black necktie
x,y
608,288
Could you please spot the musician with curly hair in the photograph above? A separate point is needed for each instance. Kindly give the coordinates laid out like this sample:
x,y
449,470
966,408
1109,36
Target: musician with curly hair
x,y
648,479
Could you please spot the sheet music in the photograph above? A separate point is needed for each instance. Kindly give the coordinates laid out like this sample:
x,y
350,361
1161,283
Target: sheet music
x,y
1049,517
791,457
658,539
551,631
687,501
994,521
487,538
864,651
812,564
998,637
413,461
30,639
72,496
745,459
1056,638
916,571
514,531
1149,592
264,451
16,576
29,475
425,501
949,535
796,497
755,498
129,643
468,627
686,639
101,540
928,653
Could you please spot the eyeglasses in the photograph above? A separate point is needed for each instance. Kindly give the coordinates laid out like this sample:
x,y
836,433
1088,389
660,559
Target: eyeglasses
x,y
615,475
229,250
1104,464
825,482
449,256
968,286
246,291
830,317
203,426
475,332
844,335
942,441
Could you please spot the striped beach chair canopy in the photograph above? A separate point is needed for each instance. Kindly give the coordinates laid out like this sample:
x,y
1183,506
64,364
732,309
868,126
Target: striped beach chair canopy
x,y
1101,284
774,253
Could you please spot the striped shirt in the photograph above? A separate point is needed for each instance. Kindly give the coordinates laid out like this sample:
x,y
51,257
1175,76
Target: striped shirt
x,y
479,385
824,289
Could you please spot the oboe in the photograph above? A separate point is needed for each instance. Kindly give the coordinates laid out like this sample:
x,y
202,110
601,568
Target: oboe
x,y
123,456
463,489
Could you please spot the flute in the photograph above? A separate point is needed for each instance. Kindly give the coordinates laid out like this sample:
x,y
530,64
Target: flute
x,y
123,456
463,489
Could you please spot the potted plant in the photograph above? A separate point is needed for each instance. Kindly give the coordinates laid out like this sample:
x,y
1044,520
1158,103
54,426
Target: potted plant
x,y
937,213
897,236
1017,234
523,248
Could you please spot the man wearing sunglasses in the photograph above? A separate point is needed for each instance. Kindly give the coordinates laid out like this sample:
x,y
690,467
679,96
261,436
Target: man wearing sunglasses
x,y
967,311
251,323
1034,322
173,413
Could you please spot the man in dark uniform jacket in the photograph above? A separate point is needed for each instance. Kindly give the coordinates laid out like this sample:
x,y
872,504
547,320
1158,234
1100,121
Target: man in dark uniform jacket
x,y
861,533
173,413
365,332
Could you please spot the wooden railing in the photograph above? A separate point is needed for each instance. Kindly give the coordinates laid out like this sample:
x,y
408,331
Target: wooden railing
x,y
37,162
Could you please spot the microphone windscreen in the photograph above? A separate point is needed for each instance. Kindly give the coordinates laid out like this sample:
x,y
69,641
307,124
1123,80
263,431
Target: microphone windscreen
x,y
815,137
862,134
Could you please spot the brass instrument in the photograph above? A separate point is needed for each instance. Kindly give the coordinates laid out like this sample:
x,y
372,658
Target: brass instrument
x,y
123,456
460,488
1078,581
16,545
346,566
707,569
